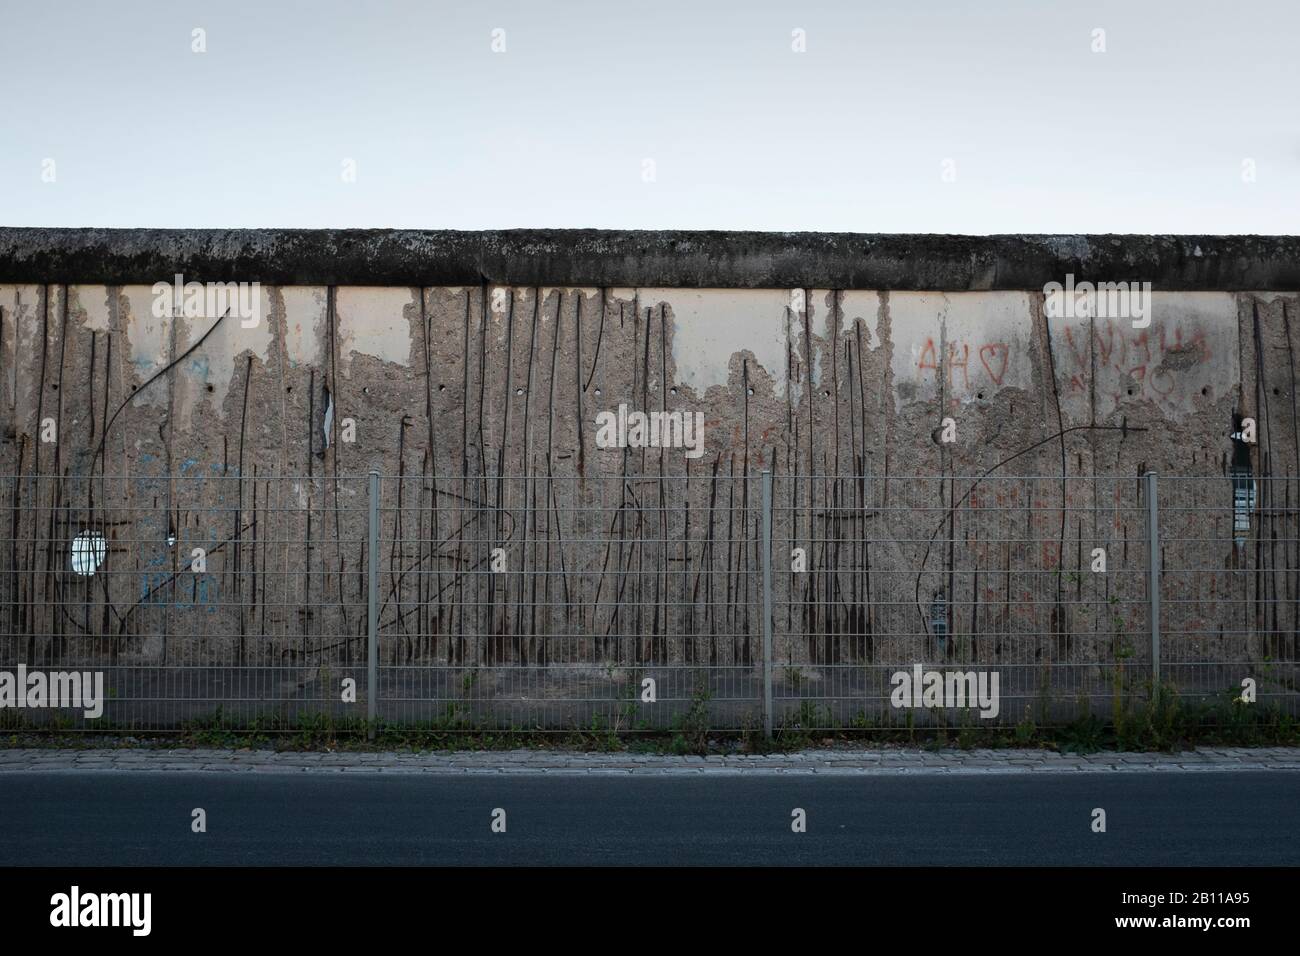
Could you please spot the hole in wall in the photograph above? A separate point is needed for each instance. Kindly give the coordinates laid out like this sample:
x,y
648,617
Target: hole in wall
x,y
672,391
328,424
939,617
1243,484
750,391
209,388
519,391
442,388
88,551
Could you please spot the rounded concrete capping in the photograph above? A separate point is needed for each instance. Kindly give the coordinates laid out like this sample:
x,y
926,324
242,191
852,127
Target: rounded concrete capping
x,y
589,257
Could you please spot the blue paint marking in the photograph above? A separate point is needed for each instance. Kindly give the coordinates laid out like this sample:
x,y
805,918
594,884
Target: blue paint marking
x,y
153,591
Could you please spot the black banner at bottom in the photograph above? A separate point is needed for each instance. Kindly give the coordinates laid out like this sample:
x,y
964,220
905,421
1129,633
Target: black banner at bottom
x,y
337,906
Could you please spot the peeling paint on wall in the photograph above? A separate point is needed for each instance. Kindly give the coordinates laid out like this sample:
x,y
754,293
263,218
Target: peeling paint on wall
x,y
965,346
858,306
710,326
210,374
968,347
305,333
373,321
93,302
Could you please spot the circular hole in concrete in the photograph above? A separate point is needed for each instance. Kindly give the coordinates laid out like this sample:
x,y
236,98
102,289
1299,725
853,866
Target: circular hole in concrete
x,y
1130,391
597,392
442,388
519,391
672,391
210,388
288,389
980,396
1277,391
1205,390
750,391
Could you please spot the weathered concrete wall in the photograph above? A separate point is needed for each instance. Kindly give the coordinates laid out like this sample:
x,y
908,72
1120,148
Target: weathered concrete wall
x,y
450,383
905,359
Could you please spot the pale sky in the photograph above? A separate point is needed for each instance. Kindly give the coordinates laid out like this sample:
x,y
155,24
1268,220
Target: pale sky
x,y
564,127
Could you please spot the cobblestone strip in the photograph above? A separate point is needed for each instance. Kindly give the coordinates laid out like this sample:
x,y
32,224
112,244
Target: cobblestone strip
x,y
884,761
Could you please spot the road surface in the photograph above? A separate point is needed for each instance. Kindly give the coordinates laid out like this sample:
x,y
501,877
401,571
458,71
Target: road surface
x,y
95,818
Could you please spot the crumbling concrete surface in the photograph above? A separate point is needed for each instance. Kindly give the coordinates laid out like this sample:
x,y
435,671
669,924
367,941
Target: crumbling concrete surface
x,y
947,460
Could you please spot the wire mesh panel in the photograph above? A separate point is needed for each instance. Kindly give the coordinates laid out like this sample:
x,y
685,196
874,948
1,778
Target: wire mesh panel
x,y
623,604
201,600
546,603
1035,587
1230,595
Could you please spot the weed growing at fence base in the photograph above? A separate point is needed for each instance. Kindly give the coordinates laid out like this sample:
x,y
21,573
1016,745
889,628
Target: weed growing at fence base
x,y
1165,722
692,734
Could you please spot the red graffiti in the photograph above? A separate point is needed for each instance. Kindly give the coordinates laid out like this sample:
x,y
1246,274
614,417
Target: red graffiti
x,y
994,356
928,349
1138,355
962,365
1000,353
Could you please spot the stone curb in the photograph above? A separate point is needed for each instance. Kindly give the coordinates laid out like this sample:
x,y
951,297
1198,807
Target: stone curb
x,y
821,763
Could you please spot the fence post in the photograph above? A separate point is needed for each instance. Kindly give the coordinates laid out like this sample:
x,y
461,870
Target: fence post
x,y
767,603
372,606
1153,579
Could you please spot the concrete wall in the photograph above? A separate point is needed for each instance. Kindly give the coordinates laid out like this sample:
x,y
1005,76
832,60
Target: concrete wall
x,y
453,382
390,355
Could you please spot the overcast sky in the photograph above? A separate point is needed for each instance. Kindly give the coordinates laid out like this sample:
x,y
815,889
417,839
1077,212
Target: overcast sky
x,y
898,116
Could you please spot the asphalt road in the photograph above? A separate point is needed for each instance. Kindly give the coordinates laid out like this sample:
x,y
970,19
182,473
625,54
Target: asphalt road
x,y
124,818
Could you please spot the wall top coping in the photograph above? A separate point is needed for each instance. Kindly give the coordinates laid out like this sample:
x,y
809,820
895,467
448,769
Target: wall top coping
x,y
647,259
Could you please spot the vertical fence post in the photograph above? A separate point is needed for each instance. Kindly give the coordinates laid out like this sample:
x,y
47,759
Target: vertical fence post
x,y
767,603
372,606
1153,579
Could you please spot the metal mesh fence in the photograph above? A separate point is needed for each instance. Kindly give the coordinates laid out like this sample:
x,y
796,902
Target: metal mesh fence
x,y
639,603
540,602
959,575
1230,586
203,599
